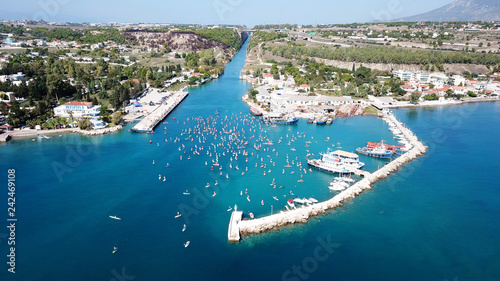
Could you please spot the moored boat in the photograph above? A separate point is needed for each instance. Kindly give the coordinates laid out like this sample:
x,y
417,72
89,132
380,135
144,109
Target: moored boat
x,y
379,151
338,161
279,118
322,120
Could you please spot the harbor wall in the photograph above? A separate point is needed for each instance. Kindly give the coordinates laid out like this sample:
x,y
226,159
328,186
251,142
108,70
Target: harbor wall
x,y
301,214
148,124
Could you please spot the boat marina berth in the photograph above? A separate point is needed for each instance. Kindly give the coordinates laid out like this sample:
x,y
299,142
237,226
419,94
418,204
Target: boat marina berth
x,y
343,184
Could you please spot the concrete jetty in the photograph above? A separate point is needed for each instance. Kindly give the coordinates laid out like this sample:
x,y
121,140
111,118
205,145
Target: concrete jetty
x,y
233,232
301,214
149,122
5,137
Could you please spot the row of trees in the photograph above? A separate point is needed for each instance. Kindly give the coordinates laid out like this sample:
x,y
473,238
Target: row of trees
x,y
84,36
385,55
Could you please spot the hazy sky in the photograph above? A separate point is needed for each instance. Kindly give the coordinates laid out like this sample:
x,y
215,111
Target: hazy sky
x,y
216,11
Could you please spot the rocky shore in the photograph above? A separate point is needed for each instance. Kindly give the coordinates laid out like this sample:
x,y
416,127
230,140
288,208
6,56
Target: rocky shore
x,y
97,132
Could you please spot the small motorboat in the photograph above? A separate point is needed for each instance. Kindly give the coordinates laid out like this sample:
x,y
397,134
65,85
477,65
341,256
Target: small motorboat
x,y
115,217
178,215
184,228
187,244
251,215
115,249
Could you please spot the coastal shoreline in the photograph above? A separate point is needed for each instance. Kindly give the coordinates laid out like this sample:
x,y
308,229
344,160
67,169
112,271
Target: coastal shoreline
x,y
446,103
32,133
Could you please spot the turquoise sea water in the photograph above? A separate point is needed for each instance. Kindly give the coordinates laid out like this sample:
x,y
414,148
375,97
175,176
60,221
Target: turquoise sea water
x,y
435,219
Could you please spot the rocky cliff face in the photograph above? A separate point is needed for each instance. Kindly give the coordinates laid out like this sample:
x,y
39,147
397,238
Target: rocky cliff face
x,y
462,10
178,41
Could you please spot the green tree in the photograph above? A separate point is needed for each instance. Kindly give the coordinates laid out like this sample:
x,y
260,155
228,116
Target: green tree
x,y
84,124
116,118
415,96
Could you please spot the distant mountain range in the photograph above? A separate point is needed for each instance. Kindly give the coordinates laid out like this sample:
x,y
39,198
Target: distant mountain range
x,y
462,10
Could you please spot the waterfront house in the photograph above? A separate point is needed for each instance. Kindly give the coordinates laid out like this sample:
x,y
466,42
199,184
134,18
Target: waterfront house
x,y
78,109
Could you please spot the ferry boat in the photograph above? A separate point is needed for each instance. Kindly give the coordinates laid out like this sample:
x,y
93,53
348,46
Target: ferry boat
x,y
279,118
379,151
255,111
338,161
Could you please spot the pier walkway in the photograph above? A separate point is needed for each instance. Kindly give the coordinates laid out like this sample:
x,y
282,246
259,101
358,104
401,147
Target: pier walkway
x,y
149,122
233,232
301,214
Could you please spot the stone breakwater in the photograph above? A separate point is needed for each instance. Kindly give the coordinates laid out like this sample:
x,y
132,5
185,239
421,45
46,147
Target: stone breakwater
x,y
97,132
301,214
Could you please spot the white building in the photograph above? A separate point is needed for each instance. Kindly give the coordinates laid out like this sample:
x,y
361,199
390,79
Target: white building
x,y
316,100
78,109
403,75
459,79
412,76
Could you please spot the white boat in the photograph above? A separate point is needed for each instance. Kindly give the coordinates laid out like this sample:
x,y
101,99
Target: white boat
x,y
336,187
340,183
187,244
313,200
300,201
184,228
115,217
338,161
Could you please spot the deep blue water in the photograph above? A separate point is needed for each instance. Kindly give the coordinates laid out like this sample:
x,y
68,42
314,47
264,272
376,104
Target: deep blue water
x,y
435,219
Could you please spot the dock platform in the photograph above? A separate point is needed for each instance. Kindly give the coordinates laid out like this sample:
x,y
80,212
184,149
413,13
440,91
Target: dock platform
x,y
148,124
233,232
5,137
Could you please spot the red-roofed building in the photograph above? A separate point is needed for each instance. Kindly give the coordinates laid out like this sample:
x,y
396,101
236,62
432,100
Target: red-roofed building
x,y
305,87
195,74
408,88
